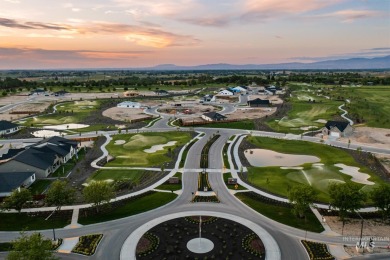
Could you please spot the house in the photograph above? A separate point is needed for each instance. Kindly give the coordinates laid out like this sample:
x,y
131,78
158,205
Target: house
x,y
42,158
130,94
240,89
129,104
337,129
10,181
11,153
161,92
225,92
7,127
213,116
259,103
209,98
38,91
60,93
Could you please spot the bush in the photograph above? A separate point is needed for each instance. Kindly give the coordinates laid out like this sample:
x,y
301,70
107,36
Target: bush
x,y
87,244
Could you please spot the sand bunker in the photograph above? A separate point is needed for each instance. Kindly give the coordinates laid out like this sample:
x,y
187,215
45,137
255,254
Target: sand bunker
x,y
119,142
159,147
321,121
307,128
265,158
66,126
291,168
357,176
46,133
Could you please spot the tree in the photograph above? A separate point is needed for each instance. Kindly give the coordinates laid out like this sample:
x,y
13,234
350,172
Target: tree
x,y
301,197
18,199
345,197
381,198
33,247
98,193
59,194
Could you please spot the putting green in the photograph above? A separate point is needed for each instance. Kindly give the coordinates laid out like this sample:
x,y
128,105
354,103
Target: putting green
x,y
132,153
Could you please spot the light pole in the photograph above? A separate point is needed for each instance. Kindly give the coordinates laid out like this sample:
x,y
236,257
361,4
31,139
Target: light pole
x,y
361,229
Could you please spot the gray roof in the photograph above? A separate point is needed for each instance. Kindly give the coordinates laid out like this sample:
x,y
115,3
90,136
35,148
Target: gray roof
x,y
12,180
5,125
214,115
259,101
43,154
341,125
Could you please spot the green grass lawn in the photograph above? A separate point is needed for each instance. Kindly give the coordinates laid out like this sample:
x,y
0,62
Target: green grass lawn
x,y
132,154
173,186
279,181
19,222
117,175
39,186
228,175
143,204
304,113
282,214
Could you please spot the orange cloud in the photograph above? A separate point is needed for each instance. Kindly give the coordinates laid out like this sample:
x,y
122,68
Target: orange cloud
x,y
352,15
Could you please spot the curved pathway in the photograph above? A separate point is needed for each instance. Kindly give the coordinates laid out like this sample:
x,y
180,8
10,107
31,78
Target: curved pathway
x,y
345,112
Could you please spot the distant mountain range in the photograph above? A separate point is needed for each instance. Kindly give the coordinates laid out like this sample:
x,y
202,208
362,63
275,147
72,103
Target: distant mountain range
x,y
341,64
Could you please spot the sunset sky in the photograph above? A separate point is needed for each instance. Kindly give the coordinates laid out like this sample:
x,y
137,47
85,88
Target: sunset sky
x,y
138,33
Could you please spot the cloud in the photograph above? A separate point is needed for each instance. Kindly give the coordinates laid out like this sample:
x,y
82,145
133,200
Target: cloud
x,y
365,53
217,21
12,1
269,9
139,34
352,15
44,56
11,23
158,7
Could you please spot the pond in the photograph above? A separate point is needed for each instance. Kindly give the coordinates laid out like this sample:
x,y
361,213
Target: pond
x,y
265,158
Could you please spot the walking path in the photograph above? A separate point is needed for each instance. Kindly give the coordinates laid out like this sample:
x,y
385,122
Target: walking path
x,y
344,114
67,245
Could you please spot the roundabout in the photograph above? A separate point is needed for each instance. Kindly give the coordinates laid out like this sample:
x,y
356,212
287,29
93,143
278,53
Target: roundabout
x,y
209,243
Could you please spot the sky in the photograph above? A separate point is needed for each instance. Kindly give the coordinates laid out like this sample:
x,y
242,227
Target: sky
x,y
47,34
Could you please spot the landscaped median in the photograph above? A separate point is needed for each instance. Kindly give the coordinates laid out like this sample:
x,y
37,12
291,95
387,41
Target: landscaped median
x,y
317,251
280,212
88,244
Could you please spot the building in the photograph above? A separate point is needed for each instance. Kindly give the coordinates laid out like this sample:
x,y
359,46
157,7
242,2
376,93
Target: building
x,y
337,129
10,181
213,116
240,89
209,98
129,104
7,127
259,103
225,92
11,153
42,158
130,94
61,93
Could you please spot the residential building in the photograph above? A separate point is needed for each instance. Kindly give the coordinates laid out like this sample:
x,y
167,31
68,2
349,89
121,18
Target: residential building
x,y
129,104
10,181
42,158
337,129
213,116
259,103
209,98
225,92
7,127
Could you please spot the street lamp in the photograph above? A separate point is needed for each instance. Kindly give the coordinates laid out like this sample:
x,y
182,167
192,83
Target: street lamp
x,y
361,229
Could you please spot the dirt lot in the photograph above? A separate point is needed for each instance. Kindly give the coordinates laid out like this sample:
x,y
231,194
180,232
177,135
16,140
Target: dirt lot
x,y
36,106
376,137
252,113
372,227
125,114
194,109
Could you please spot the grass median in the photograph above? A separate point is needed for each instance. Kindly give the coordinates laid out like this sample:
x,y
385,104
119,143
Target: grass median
x,y
281,214
141,204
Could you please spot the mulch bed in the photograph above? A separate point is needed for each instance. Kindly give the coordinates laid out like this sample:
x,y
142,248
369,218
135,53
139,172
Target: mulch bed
x,y
228,238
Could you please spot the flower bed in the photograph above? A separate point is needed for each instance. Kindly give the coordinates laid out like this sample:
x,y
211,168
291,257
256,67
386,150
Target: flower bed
x,y
87,244
57,243
203,182
204,159
253,245
147,244
205,219
174,235
317,251
206,199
